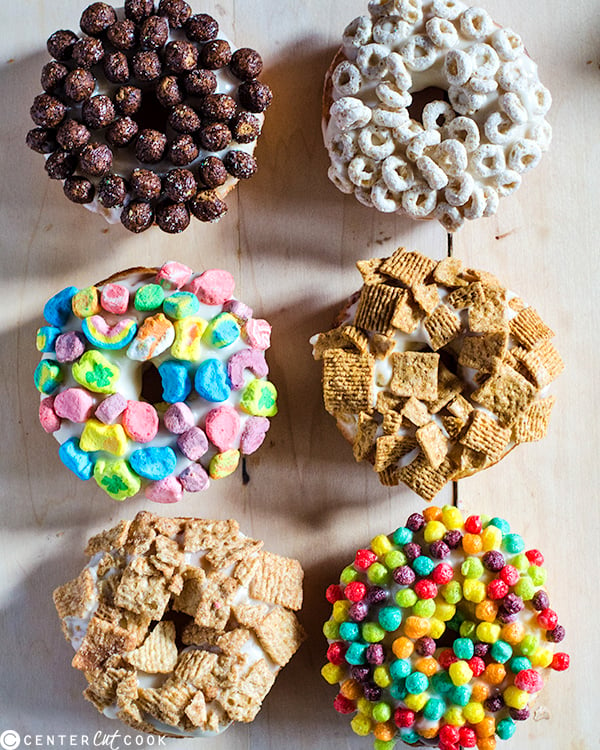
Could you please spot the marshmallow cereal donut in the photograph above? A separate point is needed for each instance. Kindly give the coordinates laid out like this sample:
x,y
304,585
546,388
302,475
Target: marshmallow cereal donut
x,y
152,116
481,129
154,380
180,625
441,633
436,371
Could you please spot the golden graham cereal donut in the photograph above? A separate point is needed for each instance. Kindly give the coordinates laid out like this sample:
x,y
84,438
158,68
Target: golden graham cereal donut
x,y
451,153
151,117
441,633
436,371
154,380
180,625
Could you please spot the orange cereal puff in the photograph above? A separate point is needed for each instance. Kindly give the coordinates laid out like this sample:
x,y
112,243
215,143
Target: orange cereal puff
x,y
435,371
433,644
180,625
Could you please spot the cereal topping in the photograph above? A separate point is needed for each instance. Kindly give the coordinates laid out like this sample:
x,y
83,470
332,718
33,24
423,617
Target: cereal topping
x,y
433,374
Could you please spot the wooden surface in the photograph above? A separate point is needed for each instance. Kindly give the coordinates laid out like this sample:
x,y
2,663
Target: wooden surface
x,y
291,240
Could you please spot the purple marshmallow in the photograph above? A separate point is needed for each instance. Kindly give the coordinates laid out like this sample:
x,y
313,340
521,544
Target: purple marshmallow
x,y
194,478
193,443
178,418
253,434
111,408
69,346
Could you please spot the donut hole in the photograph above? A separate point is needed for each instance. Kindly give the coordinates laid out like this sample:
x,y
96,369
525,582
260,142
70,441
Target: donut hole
x,y
424,97
152,389
151,115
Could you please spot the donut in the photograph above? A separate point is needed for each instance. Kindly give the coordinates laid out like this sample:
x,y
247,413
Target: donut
x,y
154,380
433,110
435,371
180,625
151,117
441,633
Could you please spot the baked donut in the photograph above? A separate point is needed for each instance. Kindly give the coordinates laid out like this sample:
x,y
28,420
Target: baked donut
x,y
436,371
154,379
433,110
441,633
181,625
151,117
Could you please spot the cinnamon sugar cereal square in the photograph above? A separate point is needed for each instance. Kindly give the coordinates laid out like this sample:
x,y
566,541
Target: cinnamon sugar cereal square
x,y
278,580
141,590
376,307
343,337
532,424
242,700
543,362
158,653
416,412
390,449
195,667
196,710
280,634
423,479
414,374
188,599
426,296
196,635
347,382
232,641
216,594
250,615
488,316
447,273
141,534
485,435
75,598
102,640
506,393
230,550
200,534
406,316
245,569
433,443
467,296
443,326
369,270
408,267
483,352
364,439
474,274
449,386
528,328
108,540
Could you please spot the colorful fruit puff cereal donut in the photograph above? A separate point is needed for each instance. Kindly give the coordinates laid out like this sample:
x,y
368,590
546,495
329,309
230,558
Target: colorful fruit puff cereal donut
x,y
441,633
451,152
154,380
436,371
181,625
150,117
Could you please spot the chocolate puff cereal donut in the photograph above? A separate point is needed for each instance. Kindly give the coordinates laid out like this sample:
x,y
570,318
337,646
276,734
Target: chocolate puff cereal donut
x,y
152,116
154,380
433,110
436,371
180,625
441,633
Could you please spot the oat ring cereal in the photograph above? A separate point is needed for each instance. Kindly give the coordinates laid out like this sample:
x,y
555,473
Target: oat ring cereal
x,y
154,380
436,371
152,116
482,128
180,625
441,633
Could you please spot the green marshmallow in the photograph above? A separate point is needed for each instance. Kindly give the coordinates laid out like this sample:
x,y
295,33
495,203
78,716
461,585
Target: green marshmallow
x,y
259,398
96,373
149,297
116,479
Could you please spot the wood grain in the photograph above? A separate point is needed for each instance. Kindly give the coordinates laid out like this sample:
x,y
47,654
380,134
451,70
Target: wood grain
x,y
291,241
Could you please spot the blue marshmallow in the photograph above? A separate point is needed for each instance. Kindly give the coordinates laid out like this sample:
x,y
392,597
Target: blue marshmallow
x,y
153,463
176,381
57,310
212,381
80,462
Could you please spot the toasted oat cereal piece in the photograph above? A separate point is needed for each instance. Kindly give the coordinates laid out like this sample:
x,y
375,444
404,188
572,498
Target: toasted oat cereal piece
x,y
392,421
406,314
364,440
278,580
483,352
485,435
347,382
387,402
423,479
532,424
243,699
433,443
369,270
414,374
426,296
108,540
447,273
416,411
506,394
343,337
377,307
280,635
490,314
442,326
411,268
158,653
542,362
449,386
389,449
460,407
382,345
467,296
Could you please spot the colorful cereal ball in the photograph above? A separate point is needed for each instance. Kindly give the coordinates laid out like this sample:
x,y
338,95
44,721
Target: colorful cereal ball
x,y
154,380
441,632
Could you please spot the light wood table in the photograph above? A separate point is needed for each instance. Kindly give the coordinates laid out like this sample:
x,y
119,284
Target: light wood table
x,y
291,240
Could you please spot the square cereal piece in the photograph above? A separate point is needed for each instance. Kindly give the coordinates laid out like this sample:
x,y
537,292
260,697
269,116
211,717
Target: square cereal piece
x,y
449,386
416,412
447,273
242,700
415,374
489,315
433,443
506,393
466,462
459,407
347,382
196,710
75,598
376,307
170,527
381,346
369,270
200,534
389,477
390,449
158,653
406,316
387,402
195,635
278,580
102,640
343,337
102,687
245,570
169,701
127,690
423,479
542,362
533,423
364,439
485,435
167,556
108,540
453,426
232,549
410,268
483,352
426,296
250,615
196,667
232,641
141,590
214,604
443,326
392,422
280,634
467,296
474,274
141,533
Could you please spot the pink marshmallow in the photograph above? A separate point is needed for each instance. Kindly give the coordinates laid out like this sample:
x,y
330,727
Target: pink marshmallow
x,y
253,434
167,490
111,408
115,299
213,287
178,418
194,478
49,419
237,308
193,443
140,421
246,359
222,427
75,404
173,275
258,333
